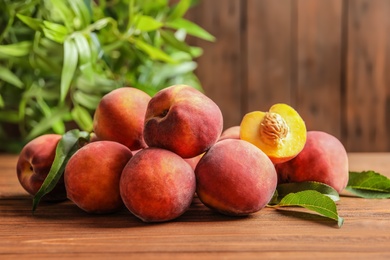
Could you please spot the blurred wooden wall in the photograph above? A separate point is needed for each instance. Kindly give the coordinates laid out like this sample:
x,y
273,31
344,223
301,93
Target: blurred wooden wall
x,y
329,59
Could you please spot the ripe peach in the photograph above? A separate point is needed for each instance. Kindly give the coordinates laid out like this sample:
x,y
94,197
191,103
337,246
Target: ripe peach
x,y
232,132
323,159
280,133
157,185
235,178
34,163
120,117
92,176
183,120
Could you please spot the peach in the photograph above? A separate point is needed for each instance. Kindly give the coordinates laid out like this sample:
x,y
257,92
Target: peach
x,y
157,185
193,161
232,132
280,133
323,159
235,178
34,163
183,120
92,176
120,116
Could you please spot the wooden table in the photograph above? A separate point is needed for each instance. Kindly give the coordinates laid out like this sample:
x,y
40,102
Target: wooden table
x,y
63,231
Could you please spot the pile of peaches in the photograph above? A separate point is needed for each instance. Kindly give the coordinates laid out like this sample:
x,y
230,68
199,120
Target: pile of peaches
x,y
153,155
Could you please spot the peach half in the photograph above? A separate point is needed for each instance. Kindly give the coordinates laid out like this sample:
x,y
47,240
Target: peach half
x,y
280,133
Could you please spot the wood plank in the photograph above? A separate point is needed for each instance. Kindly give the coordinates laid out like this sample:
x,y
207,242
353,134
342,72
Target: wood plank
x,y
219,68
318,89
269,52
62,230
368,77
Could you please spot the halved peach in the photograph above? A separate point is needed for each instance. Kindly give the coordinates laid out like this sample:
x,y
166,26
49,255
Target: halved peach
x,y
280,133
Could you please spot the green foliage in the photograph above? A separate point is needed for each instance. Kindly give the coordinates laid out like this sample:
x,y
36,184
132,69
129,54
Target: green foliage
x,y
314,196
70,142
369,185
58,58
314,201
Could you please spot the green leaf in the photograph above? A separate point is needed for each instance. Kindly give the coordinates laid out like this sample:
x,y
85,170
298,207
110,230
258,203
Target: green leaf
x,y
47,122
33,23
59,28
315,201
69,66
369,184
70,142
19,49
9,116
180,9
82,11
287,188
87,100
10,77
82,117
146,23
83,47
191,28
64,12
170,38
153,52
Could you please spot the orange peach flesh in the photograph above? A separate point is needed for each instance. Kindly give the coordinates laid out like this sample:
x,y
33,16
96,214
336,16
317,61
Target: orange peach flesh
x,y
280,133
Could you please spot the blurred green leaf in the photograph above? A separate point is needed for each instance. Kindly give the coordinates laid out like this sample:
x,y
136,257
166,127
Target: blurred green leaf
x,y
153,52
170,38
87,100
82,12
45,124
58,28
147,23
33,23
69,66
10,77
9,116
83,48
179,10
17,49
82,118
191,28
63,54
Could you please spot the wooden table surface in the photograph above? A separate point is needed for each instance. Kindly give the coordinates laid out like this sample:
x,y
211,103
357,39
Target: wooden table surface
x,y
64,231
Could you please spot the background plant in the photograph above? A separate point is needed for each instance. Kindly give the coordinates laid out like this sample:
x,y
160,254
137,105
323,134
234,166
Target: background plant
x,y
59,57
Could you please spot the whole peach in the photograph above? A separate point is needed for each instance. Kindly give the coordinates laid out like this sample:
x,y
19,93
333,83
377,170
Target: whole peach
x,y
120,116
92,176
183,120
323,159
235,178
157,185
232,132
34,163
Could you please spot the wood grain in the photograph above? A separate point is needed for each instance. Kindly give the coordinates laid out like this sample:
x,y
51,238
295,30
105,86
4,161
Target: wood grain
x,y
318,94
327,58
269,49
219,69
62,230
368,78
